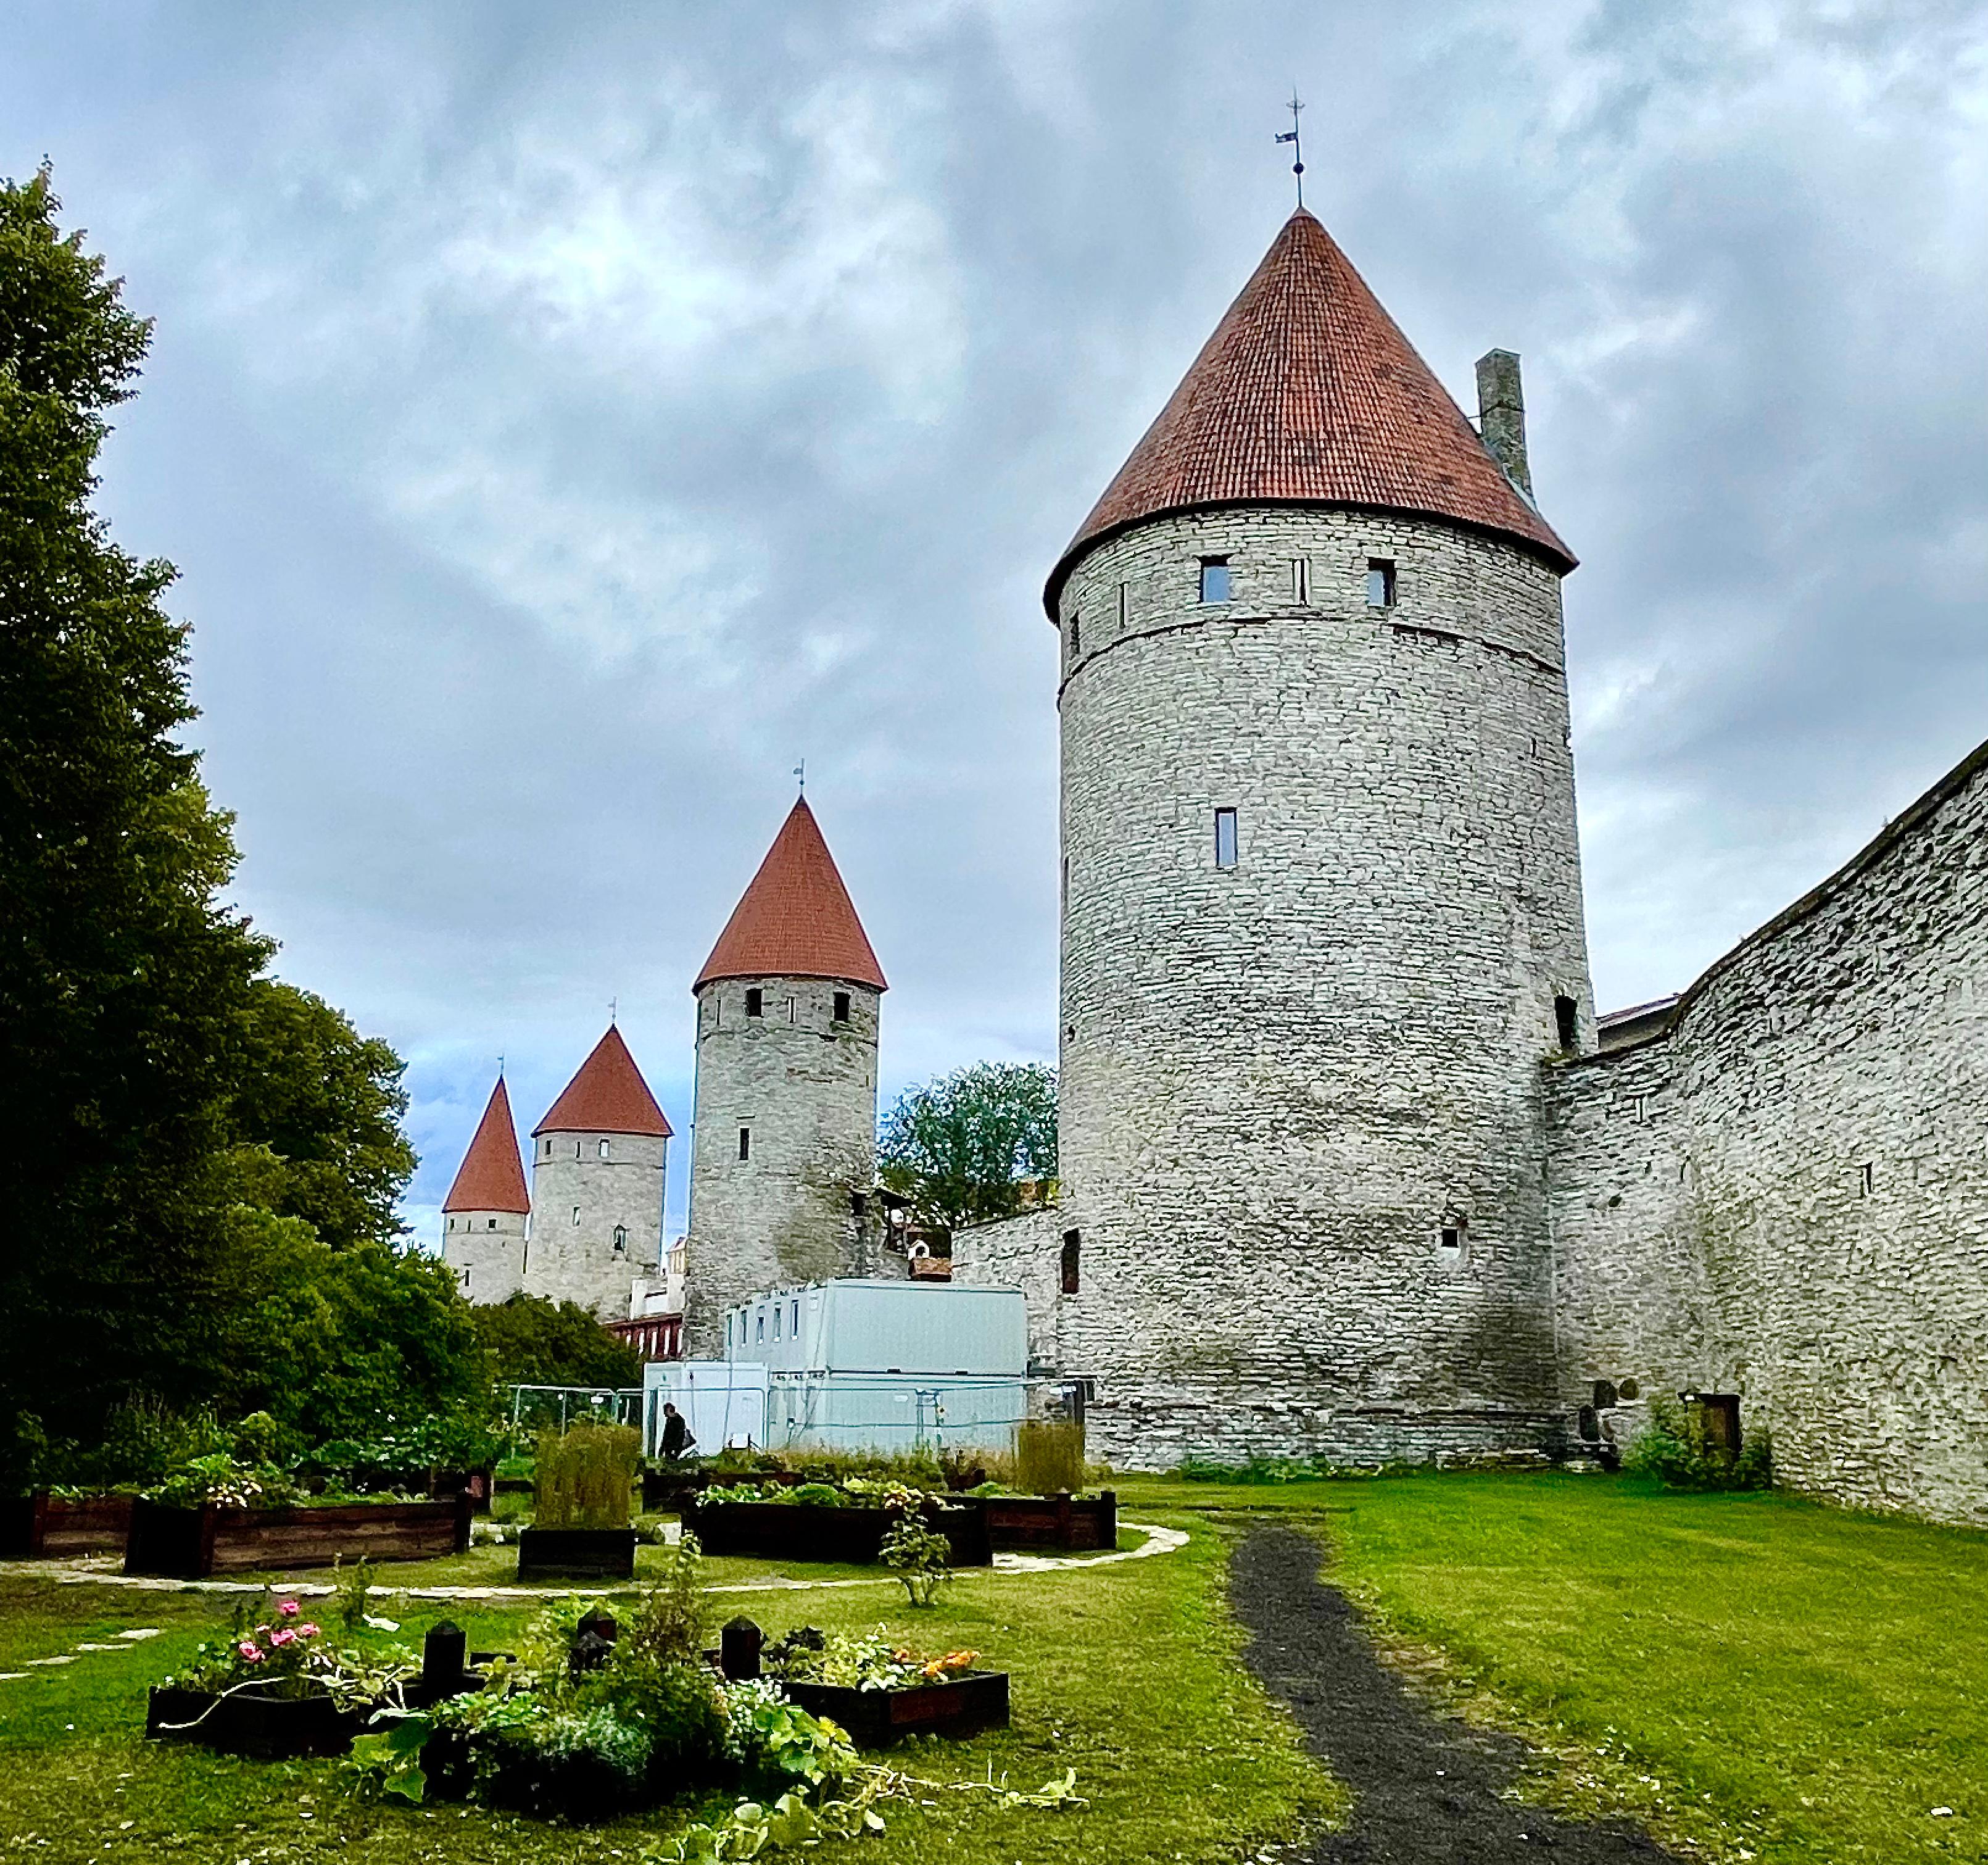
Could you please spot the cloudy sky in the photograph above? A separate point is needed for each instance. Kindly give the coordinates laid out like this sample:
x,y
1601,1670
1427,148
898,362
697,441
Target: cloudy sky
x,y
565,419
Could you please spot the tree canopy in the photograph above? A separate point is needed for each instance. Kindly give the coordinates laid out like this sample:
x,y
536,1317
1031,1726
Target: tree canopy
x,y
962,1147
532,1341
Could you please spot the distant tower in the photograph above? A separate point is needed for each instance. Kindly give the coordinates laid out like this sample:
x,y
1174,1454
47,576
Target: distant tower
x,y
484,1215
1321,911
785,1124
600,1168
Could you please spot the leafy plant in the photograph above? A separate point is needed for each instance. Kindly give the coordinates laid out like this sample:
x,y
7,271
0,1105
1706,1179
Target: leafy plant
x,y
584,1477
219,1477
1675,1448
920,1556
816,1495
874,1660
1048,1457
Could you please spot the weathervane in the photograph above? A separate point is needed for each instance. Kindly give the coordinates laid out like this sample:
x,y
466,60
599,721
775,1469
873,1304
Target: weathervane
x,y
1297,148
613,1009
800,774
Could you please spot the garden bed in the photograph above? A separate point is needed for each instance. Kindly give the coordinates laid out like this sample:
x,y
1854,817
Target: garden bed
x,y
214,1538
250,1722
805,1531
41,1526
964,1705
1024,1523
576,1554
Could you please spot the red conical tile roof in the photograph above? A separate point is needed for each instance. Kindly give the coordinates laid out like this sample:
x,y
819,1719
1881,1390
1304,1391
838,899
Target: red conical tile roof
x,y
492,1176
1308,392
796,920
608,1095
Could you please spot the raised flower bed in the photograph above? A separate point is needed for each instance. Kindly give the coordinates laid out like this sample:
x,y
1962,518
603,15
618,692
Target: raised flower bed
x,y
816,1531
252,1722
42,1527
1032,1524
877,1690
209,1538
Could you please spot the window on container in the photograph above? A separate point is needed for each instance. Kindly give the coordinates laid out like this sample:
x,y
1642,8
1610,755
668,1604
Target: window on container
x,y
760,1332
1214,579
842,1007
621,1239
755,1002
1301,579
1226,842
604,1149
1380,582
796,1330
776,1323
1073,1243
1567,1021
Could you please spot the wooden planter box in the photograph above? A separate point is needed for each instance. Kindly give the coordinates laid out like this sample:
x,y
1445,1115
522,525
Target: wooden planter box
x,y
190,1543
41,1526
803,1531
964,1705
667,1489
1024,1524
576,1554
241,1722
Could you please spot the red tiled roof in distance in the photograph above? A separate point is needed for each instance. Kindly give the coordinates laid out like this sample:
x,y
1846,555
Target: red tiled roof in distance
x,y
796,919
608,1095
492,1175
1308,393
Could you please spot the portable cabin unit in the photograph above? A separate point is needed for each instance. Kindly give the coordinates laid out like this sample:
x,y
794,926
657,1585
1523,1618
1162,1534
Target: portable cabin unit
x,y
724,1401
869,1363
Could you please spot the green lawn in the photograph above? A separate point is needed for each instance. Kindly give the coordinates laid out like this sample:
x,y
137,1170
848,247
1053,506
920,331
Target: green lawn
x,y
1802,1683
1126,1672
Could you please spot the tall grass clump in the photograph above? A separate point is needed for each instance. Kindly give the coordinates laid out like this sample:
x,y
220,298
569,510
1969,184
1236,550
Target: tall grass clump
x,y
583,1478
1048,1457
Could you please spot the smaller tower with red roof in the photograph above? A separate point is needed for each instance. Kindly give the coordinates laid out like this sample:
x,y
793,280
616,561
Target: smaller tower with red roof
x,y
600,1166
786,1129
485,1213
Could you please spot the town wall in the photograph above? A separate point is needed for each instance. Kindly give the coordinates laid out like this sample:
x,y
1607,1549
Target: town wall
x,y
805,1087
1786,1195
575,1260
1283,1081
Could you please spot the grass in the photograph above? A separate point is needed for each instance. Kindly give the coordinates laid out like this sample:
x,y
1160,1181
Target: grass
x,y
1127,1674
1769,1676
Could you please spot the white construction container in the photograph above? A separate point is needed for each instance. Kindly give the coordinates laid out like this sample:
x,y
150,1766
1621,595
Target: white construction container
x,y
724,1401
862,1363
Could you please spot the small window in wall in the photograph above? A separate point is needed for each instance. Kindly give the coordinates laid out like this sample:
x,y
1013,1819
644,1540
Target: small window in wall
x,y
1566,1022
1642,1107
576,1215
1076,633
604,1149
621,1239
1866,1177
1301,579
1124,605
759,1330
452,1224
793,1003
842,1007
577,1145
1226,846
745,1143
1604,1395
755,1002
465,1283
493,1224
549,1149
1072,1242
776,1323
1453,1239
1214,579
796,1330
1380,582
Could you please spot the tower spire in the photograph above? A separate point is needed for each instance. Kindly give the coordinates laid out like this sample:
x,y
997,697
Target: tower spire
x,y
1297,147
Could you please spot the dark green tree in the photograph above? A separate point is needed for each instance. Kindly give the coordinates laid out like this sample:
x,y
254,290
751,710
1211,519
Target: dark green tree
x,y
962,1147
124,981
532,1341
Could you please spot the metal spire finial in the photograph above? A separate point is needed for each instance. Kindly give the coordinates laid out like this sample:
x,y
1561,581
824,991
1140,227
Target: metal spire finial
x,y
613,1010
800,774
1297,148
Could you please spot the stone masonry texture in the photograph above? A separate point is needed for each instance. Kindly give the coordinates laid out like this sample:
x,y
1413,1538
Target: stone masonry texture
x,y
805,1087
622,1187
1785,1196
1283,1082
486,1250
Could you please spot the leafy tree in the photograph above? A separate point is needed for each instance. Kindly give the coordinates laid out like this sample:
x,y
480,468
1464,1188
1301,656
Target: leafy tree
x,y
960,1147
532,1341
124,982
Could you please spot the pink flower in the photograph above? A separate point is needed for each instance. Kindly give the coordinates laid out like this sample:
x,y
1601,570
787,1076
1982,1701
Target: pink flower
x,y
282,1637
251,1654
307,1631
288,1609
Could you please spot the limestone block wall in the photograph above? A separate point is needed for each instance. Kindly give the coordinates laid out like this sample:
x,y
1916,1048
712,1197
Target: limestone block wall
x,y
803,1086
1787,1196
1284,1082
486,1250
584,1186
1022,1252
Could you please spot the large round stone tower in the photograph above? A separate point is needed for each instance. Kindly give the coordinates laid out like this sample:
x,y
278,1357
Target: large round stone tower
x,y
1321,901
786,1126
484,1215
600,1173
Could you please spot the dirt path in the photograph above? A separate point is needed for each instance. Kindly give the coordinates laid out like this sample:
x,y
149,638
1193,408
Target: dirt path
x,y
1425,1788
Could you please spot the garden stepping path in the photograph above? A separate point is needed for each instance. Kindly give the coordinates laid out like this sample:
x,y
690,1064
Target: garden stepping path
x,y
1427,1790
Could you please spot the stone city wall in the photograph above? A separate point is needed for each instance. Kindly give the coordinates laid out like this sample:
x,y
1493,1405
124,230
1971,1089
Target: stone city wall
x,y
1785,1195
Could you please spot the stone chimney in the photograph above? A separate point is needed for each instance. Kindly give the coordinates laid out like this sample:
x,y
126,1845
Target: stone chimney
x,y
1501,415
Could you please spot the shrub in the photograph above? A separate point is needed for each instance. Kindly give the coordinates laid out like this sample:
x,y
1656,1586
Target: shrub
x,y
1673,1448
816,1495
584,1477
920,1556
1048,1457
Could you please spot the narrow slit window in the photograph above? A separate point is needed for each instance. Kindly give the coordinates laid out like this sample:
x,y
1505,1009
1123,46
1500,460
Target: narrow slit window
x,y
777,1319
578,1147
1866,1178
1214,583
621,1239
755,1002
1072,1245
745,1143
1380,582
1226,838
842,1007
1301,579
1124,604
792,1004
604,1150
1567,1021
1076,633
576,1216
